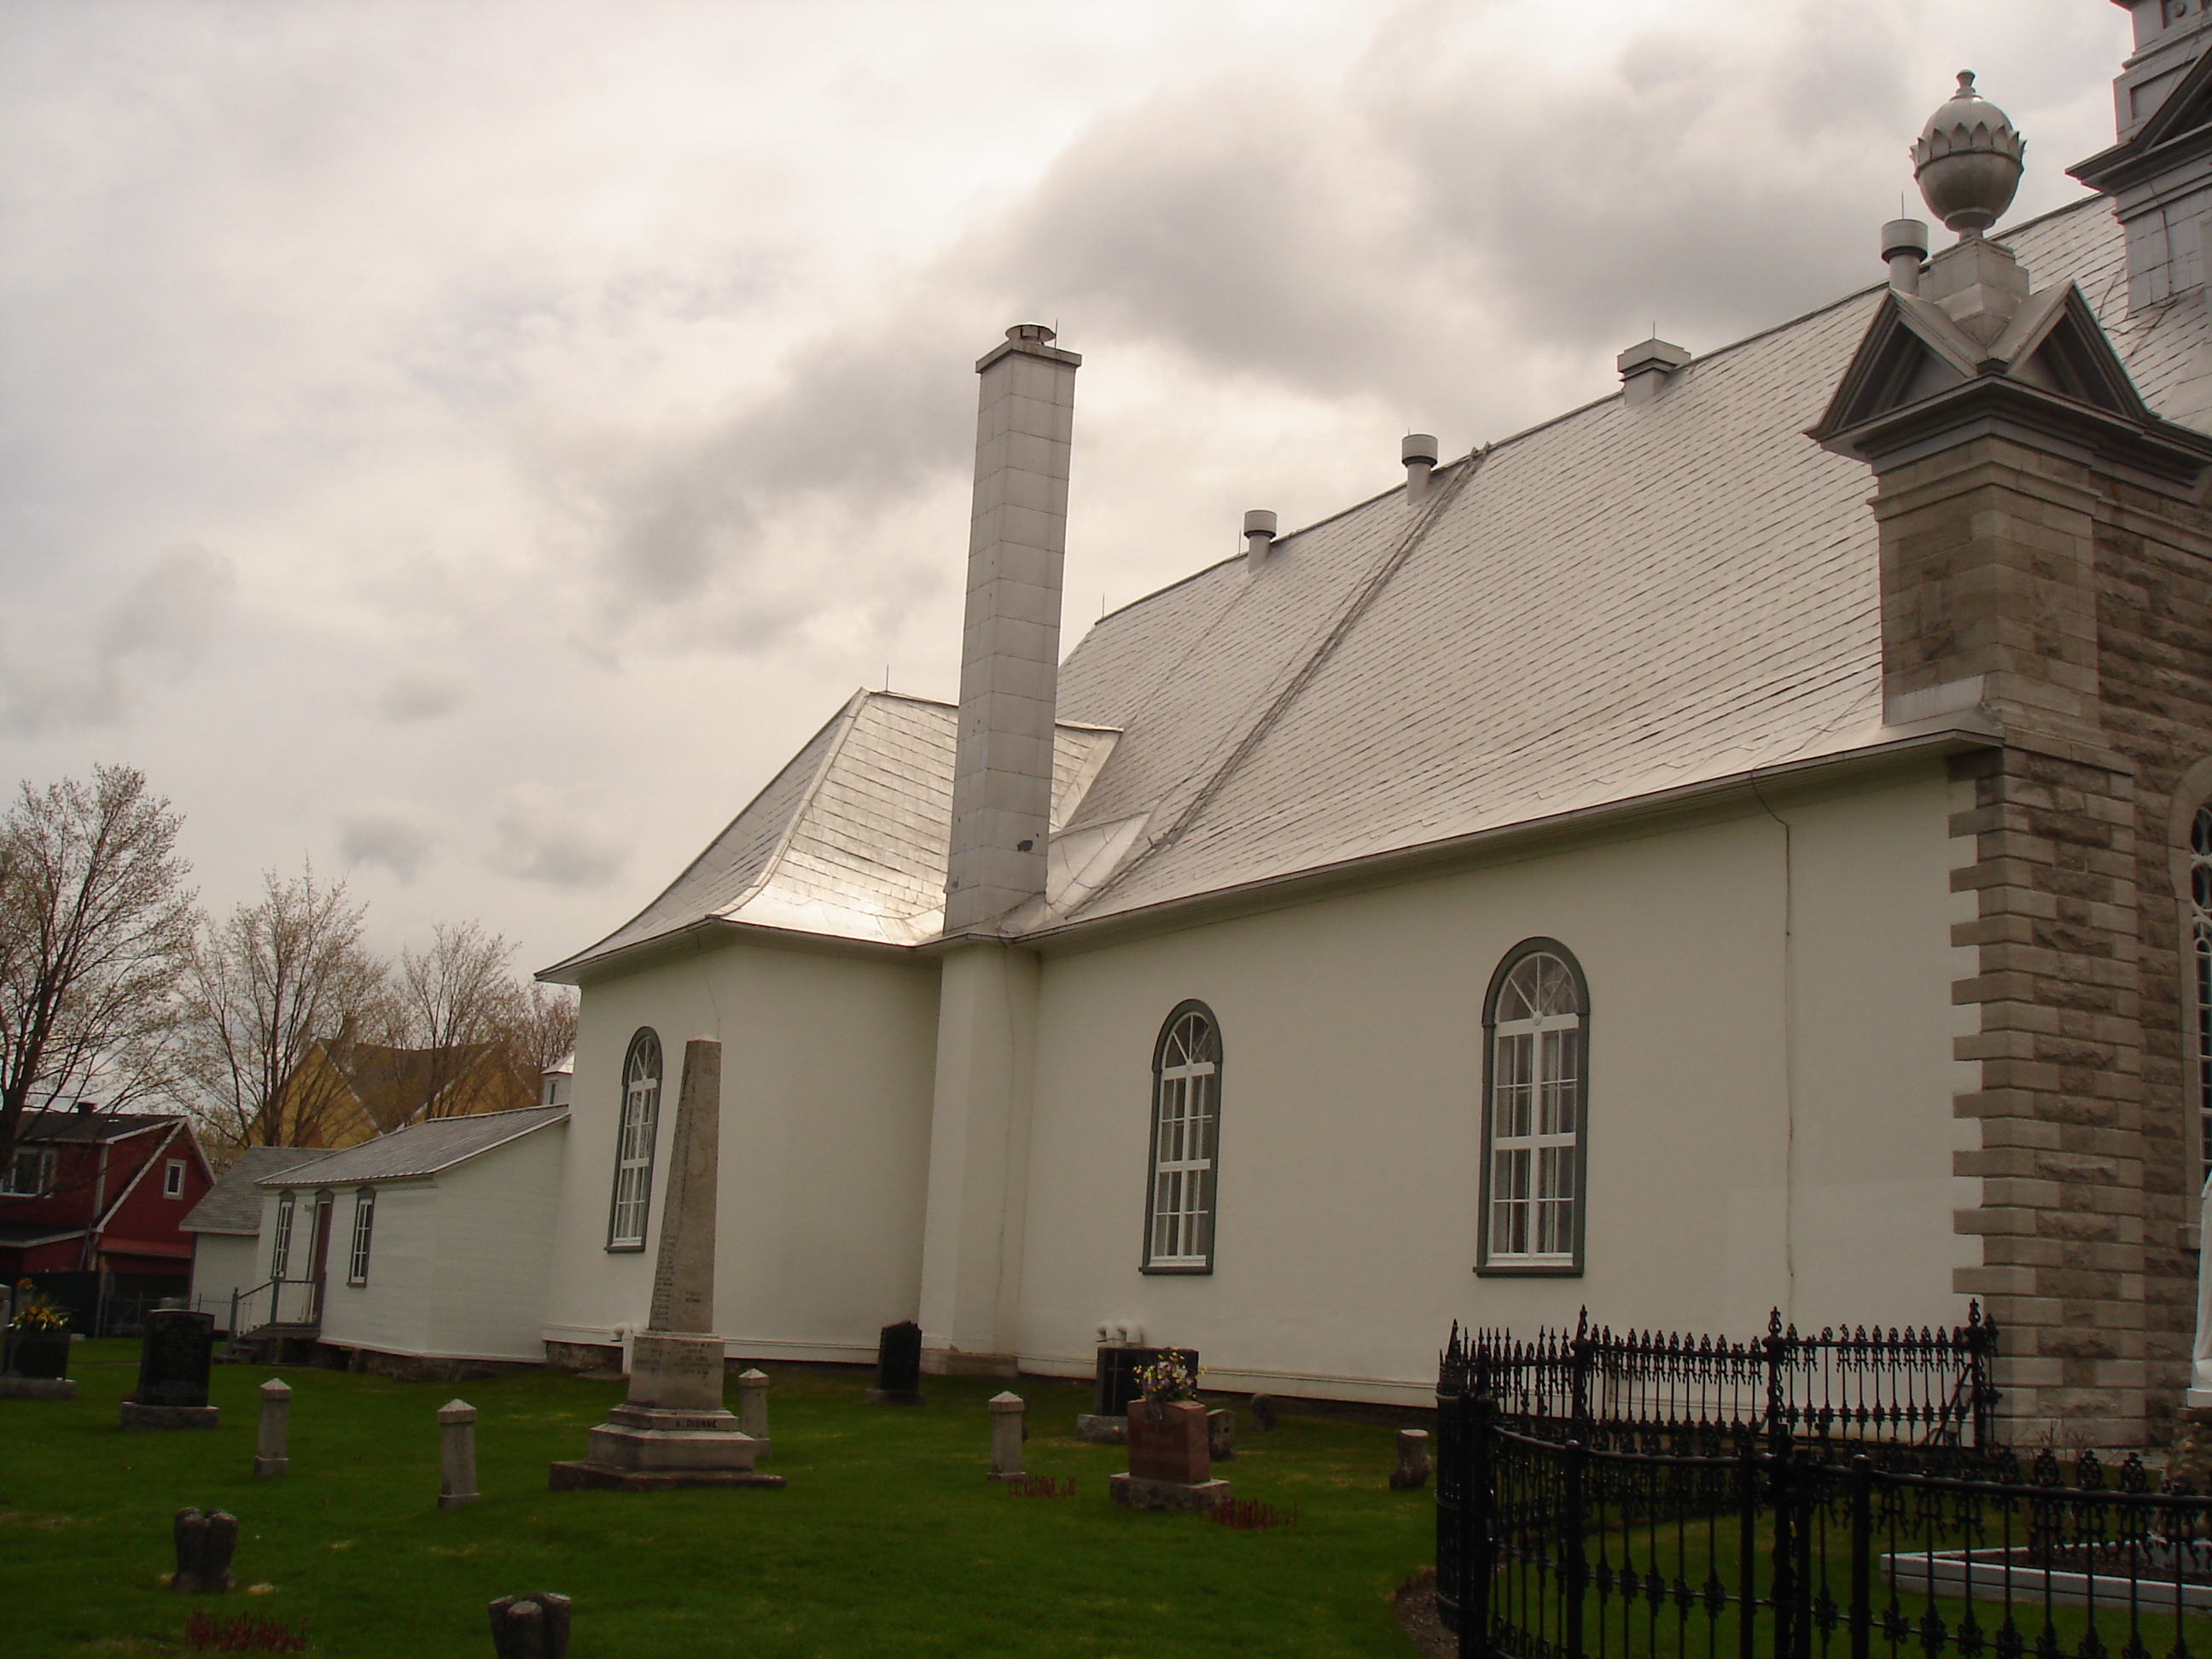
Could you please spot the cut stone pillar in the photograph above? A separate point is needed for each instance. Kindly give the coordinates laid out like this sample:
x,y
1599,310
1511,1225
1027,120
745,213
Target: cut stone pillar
x,y
1010,654
673,1429
1008,1430
271,1456
1413,1467
752,1410
456,1454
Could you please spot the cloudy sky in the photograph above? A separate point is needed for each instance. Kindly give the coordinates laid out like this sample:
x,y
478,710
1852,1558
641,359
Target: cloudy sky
x,y
473,445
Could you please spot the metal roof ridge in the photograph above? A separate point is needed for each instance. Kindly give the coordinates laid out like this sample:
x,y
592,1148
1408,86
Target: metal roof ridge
x,y
1284,688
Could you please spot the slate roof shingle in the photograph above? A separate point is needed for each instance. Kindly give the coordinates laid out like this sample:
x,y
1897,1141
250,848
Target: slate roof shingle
x,y
232,1204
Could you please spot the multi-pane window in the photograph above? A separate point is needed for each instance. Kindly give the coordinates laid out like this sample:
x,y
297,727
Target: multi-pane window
x,y
1186,1130
2200,944
280,1250
29,1173
1534,1119
640,1117
364,1223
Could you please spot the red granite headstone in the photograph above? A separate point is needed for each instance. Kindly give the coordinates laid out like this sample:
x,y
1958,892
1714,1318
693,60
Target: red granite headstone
x,y
1168,1442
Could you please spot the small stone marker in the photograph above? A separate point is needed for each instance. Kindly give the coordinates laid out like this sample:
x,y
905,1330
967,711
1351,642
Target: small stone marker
x,y
1221,1436
1170,1468
456,1454
1263,1412
173,1373
204,1543
269,1456
1412,1471
752,1408
530,1626
898,1366
1007,1418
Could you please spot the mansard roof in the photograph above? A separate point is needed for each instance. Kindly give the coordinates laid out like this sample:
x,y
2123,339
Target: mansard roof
x,y
1619,605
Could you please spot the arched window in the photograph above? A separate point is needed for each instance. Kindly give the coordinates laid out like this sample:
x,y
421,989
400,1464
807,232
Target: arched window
x,y
1536,1017
1186,1139
640,1117
2199,901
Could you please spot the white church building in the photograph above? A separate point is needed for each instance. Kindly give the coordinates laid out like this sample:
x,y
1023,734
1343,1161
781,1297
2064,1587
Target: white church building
x,y
1740,845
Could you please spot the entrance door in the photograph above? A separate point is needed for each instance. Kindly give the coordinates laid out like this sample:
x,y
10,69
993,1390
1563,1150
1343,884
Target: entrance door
x,y
324,1204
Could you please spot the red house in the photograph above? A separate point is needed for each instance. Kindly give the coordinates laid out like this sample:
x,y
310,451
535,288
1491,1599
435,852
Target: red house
x,y
90,1204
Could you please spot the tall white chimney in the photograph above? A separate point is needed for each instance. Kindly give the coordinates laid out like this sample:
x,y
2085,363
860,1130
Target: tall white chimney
x,y
1010,657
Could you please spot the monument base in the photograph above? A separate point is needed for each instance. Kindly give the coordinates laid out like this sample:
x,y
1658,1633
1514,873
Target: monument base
x,y
1102,1431
1133,1492
586,1476
895,1397
135,1416
272,1466
37,1387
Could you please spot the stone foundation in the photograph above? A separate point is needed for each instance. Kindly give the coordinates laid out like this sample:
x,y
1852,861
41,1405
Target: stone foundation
x,y
1135,1492
135,1416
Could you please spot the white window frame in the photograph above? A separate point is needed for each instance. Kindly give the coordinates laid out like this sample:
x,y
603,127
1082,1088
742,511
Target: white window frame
x,y
280,1245
364,1229
1183,1184
173,1178
1535,1112
40,1160
630,1205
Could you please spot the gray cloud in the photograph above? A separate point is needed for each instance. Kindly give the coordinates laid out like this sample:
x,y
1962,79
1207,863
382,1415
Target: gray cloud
x,y
58,672
544,837
409,697
397,834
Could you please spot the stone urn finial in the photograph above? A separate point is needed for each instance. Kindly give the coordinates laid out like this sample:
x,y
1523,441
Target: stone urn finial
x,y
1969,161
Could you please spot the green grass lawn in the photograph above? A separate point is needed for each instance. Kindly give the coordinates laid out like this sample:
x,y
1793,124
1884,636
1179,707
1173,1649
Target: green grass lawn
x,y
888,1540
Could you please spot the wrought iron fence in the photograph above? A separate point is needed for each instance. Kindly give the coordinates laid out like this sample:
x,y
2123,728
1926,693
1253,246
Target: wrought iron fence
x,y
1570,1551
1649,1391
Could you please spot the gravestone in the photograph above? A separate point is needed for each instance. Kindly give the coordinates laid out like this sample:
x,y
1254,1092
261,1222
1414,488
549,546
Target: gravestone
x,y
271,1456
1414,1467
1106,1424
1221,1436
672,1430
1263,1412
752,1409
204,1543
898,1366
456,1454
530,1626
1170,1466
173,1373
1007,1432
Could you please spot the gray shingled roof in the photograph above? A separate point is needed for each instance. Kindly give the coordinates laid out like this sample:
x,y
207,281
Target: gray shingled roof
x,y
232,1204
1618,604
421,1149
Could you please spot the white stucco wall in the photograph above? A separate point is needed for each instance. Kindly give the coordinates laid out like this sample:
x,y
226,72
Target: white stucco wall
x,y
1770,1102
223,1263
826,1069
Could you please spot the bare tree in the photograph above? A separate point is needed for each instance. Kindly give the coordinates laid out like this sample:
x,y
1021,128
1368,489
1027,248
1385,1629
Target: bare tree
x,y
270,1003
95,924
546,1035
456,1008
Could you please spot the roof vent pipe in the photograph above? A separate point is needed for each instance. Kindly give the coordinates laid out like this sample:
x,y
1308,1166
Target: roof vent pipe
x,y
1259,536
1645,367
1905,247
1419,452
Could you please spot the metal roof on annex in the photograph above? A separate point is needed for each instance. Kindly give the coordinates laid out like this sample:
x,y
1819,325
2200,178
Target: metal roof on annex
x,y
421,1149
232,1204
1624,603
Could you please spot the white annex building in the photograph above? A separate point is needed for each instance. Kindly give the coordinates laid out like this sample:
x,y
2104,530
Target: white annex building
x,y
1621,867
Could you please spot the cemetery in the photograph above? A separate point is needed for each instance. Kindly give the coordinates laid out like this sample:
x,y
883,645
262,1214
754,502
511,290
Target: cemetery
x,y
369,1516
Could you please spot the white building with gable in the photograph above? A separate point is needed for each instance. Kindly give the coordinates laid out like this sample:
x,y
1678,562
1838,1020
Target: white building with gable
x,y
1619,868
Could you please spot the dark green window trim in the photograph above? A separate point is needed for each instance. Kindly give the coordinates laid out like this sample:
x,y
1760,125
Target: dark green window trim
x,y
1512,959
1144,1263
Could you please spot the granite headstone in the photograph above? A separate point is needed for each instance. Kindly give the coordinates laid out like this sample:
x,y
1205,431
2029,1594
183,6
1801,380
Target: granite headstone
x,y
173,1373
898,1366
